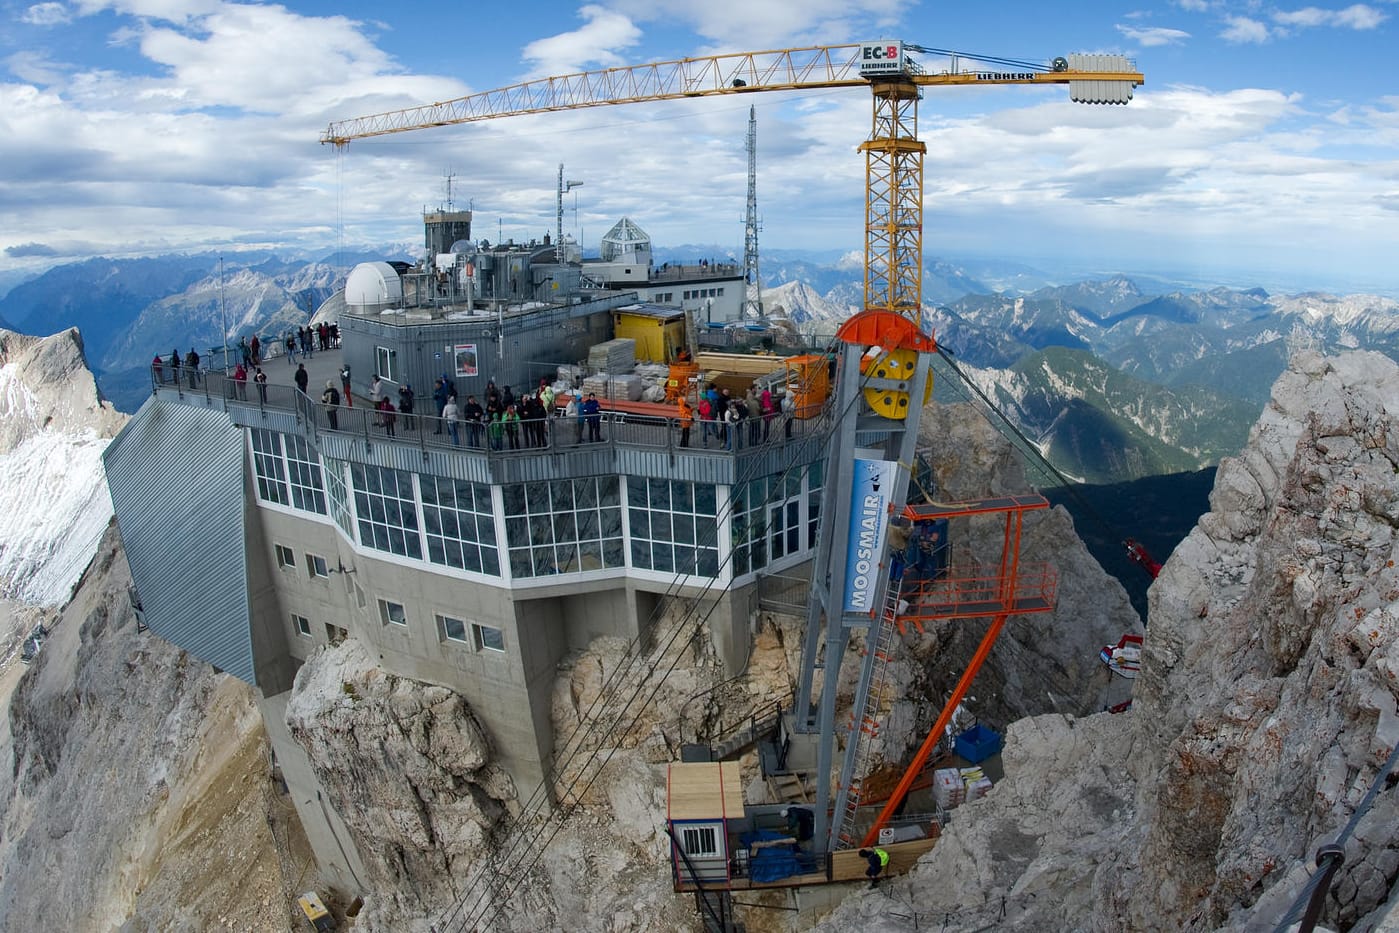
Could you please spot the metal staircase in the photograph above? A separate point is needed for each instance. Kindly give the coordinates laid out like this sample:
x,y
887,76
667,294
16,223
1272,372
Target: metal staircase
x,y
866,713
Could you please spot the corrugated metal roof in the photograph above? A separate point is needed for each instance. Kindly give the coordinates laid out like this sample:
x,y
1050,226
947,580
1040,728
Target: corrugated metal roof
x,y
176,477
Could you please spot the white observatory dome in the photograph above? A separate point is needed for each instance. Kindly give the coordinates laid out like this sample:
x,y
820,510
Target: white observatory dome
x,y
373,283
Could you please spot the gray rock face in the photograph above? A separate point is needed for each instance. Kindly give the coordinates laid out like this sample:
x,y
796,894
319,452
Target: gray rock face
x,y
1267,697
131,777
1266,705
408,767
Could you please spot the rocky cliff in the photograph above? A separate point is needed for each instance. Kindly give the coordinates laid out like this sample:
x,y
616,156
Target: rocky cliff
x,y
134,783
54,426
1265,708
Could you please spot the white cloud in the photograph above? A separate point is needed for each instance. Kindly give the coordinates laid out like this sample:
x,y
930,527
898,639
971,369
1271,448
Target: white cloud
x,y
741,25
46,14
1359,16
1242,29
1153,35
596,42
172,11
1193,6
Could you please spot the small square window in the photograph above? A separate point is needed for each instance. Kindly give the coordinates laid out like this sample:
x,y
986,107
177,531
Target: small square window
x,y
487,638
286,557
453,629
303,625
335,634
392,613
316,566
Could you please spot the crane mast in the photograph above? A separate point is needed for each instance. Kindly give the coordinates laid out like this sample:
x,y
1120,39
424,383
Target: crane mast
x,y
884,359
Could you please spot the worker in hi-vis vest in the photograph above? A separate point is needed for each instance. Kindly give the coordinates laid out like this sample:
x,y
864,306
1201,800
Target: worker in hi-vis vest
x,y
879,860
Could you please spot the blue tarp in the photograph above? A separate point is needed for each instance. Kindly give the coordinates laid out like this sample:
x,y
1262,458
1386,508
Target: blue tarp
x,y
775,862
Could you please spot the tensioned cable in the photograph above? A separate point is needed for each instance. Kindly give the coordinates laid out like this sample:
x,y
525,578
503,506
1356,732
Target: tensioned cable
x,y
612,686
1033,450
1329,858
609,691
609,695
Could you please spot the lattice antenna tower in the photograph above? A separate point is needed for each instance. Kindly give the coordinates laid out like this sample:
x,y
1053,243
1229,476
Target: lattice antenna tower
x,y
753,293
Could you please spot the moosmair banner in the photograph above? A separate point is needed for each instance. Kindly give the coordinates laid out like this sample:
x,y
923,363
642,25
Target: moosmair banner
x,y
869,524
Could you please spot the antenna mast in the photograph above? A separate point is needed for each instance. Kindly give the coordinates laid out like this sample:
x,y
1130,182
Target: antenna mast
x,y
564,188
753,294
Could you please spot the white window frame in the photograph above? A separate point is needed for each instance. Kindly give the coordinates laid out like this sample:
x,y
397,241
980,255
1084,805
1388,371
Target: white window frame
x,y
385,363
286,557
302,625
445,634
478,637
386,615
316,567
693,837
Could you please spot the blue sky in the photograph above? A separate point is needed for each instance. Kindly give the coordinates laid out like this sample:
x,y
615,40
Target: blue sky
x,y
1264,148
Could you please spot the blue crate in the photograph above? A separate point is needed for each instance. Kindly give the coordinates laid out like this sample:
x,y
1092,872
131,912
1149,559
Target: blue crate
x,y
978,743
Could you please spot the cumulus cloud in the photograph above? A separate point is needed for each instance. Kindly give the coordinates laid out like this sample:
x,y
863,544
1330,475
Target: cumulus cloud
x,y
1357,16
1153,35
1243,29
30,250
597,42
1194,6
46,14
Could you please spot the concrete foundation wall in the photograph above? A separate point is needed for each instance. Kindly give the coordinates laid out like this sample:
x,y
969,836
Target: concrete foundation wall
x,y
337,859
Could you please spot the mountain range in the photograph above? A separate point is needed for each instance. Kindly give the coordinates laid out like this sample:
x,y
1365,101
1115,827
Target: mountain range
x,y
1107,380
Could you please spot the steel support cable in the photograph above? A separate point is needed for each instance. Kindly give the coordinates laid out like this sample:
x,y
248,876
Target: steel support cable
x,y
614,679
985,59
1329,859
1067,484
612,686
613,729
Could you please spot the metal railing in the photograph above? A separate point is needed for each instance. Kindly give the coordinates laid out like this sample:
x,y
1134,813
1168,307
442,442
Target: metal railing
x,y
497,439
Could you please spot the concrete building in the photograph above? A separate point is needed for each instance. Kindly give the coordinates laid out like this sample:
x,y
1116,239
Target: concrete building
x,y
261,525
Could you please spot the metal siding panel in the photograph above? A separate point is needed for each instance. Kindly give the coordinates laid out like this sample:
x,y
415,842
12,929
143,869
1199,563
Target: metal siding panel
x,y
176,479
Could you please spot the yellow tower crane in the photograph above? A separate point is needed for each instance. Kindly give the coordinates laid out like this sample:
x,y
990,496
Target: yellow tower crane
x,y
892,318
893,152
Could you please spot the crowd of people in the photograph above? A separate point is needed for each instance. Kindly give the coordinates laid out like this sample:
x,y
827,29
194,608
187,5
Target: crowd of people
x,y
500,419
733,421
313,337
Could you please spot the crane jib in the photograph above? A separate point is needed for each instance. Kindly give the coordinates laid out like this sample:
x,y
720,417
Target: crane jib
x,y
1006,75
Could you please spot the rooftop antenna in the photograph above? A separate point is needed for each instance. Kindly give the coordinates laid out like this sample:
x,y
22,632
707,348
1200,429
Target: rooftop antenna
x,y
753,293
564,188
449,176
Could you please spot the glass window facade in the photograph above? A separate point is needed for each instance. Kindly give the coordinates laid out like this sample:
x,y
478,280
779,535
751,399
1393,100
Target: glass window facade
x,y
386,509
304,475
268,467
564,527
459,524
674,528
767,520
